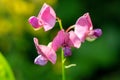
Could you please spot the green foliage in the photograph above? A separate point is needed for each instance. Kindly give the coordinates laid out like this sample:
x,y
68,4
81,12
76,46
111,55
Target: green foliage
x,y
5,70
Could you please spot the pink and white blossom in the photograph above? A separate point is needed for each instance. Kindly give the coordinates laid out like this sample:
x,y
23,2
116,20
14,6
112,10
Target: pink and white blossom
x,y
66,40
45,53
84,28
46,18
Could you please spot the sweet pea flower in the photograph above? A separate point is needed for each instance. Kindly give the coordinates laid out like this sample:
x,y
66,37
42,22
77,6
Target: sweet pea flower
x,y
84,28
66,40
45,53
46,18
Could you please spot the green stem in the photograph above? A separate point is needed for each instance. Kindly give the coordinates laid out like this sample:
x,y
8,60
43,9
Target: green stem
x,y
63,66
60,23
62,53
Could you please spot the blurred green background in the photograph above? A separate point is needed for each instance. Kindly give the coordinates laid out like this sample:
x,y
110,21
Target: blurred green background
x,y
98,60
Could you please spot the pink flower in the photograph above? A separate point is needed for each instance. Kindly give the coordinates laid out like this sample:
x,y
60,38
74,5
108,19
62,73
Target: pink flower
x,y
46,18
84,28
45,53
66,40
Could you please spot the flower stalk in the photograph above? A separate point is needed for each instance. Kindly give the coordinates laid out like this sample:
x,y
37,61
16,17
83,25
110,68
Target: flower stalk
x,y
60,23
63,65
62,52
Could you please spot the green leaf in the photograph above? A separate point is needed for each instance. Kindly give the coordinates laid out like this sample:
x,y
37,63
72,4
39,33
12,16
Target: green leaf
x,y
5,70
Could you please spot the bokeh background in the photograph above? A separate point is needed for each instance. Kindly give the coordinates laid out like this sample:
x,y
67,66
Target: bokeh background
x,y
98,60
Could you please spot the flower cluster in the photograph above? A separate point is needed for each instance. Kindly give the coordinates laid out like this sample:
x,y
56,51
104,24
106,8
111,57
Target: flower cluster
x,y
72,37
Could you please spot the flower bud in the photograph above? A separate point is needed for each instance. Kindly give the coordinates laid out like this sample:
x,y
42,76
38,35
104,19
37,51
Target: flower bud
x,y
67,51
94,34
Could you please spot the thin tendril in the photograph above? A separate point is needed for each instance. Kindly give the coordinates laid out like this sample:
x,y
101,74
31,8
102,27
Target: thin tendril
x,y
71,27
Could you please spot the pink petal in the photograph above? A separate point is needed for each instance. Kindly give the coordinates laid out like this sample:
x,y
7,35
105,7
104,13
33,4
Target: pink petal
x,y
40,60
58,40
81,32
45,51
74,39
37,46
34,22
49,53
83,26
85,21
47,16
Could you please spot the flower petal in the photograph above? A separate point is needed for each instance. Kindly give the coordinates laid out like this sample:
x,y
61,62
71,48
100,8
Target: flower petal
x,y
58,40
45,51
74,39
40,60
83,26
47,16
37,46
49,53
34,22
85,21
81,32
